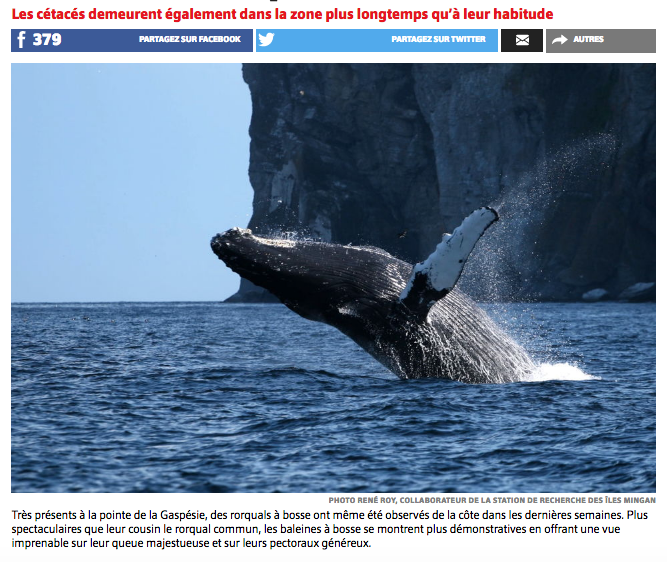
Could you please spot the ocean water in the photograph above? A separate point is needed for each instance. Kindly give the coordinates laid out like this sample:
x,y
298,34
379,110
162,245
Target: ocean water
x,y
208,397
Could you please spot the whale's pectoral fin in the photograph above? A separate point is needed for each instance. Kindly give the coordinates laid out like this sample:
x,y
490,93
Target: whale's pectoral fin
x,y
433,278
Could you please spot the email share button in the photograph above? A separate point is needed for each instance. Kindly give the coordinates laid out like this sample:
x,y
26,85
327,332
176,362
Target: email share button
x,y
522,40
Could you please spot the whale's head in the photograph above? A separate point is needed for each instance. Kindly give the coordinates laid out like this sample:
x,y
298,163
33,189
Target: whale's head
x,y
319,281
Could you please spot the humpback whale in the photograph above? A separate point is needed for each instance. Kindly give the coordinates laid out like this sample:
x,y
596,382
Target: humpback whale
x,y
413,320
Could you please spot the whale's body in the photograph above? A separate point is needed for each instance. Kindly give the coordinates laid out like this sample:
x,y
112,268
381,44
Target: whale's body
x,y
412,320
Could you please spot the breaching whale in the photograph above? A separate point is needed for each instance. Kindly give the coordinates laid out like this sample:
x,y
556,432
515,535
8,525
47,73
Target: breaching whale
x,y
413,320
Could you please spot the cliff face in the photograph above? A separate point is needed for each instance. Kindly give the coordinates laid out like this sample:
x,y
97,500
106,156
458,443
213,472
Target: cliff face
x,y
394,155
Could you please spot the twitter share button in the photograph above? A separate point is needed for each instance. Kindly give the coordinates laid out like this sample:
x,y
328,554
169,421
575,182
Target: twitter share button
x,y
376,40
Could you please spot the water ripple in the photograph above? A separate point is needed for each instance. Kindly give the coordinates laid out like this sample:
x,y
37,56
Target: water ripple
x,y
239,398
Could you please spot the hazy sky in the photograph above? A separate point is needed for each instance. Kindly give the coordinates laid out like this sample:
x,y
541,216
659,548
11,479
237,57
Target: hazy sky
x,y
121,174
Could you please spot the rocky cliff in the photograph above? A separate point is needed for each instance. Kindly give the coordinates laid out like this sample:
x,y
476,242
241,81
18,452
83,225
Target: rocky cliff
x,y
393,155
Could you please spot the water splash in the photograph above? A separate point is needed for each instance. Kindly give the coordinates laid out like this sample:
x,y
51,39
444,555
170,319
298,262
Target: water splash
x,y
510,263
558,372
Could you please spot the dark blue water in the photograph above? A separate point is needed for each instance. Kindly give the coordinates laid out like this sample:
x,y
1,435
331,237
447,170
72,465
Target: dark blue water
x,y
252,398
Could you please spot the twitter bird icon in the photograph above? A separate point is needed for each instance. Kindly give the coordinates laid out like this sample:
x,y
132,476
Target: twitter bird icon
x,y
265,40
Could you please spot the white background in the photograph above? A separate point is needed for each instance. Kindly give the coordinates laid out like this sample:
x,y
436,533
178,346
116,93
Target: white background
x,y
637,541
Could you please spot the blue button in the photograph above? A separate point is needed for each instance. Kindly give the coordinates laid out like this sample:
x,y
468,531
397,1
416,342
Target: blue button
x,y
131,40
377,40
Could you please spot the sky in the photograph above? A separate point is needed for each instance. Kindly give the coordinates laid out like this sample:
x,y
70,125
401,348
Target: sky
x,y
121,175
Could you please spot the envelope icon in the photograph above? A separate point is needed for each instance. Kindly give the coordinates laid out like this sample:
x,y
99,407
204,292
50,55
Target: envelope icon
x,y
523,40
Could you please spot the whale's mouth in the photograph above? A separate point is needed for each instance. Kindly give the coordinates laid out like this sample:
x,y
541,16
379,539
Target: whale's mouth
x,y
226,243
283,267
236,247
313,278
250,255
239,239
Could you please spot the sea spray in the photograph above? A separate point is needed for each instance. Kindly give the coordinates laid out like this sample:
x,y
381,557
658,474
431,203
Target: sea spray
x,y
508,263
